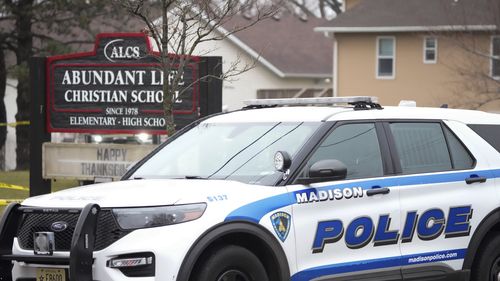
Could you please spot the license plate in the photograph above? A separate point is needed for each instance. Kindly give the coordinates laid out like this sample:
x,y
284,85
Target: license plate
x,y
50,274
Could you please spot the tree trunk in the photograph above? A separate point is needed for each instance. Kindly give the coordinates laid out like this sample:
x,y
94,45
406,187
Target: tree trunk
x,y
3,111
23,53
168,96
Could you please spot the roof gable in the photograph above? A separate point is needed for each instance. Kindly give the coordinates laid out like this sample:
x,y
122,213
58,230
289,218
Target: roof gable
x,y
289,46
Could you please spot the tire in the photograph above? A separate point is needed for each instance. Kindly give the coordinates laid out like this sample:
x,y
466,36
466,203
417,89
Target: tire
x,y
487,264
231,263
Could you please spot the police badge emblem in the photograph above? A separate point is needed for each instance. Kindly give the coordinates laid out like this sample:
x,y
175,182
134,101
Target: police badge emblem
x,y
281,222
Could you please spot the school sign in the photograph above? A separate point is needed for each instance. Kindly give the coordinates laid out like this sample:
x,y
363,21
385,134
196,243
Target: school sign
x,y
117,88
114,89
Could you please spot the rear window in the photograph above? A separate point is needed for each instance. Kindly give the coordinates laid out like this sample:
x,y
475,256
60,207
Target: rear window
x,y
421,147
490,133
429,147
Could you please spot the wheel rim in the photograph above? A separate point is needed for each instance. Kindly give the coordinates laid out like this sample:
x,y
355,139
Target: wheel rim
x,y
495,270
233,275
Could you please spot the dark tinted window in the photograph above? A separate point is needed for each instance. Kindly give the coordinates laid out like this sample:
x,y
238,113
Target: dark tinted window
x,y
460,157
495,56
421,147
490,133
355,145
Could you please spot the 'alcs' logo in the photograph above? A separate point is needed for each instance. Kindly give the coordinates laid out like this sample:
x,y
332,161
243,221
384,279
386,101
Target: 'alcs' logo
x,y
113,51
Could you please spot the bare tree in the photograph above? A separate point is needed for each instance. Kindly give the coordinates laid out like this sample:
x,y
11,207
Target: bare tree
x,y
182,26
473,53
477,70
321,8
45,27
3,111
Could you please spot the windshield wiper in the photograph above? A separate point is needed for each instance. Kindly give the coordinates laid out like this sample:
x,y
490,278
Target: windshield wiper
x,y
195,178
189,177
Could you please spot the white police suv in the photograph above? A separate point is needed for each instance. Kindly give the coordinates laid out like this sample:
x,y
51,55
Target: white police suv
x,y
300,189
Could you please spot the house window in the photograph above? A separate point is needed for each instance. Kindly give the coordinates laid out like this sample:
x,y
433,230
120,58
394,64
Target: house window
x,y
495,57
430,50
386,49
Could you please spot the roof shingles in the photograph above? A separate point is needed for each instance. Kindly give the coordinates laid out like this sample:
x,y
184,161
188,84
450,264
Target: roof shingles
x,y
289,44
417,13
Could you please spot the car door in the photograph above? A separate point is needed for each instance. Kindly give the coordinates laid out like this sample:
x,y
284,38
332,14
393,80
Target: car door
x,y
348,228
445,193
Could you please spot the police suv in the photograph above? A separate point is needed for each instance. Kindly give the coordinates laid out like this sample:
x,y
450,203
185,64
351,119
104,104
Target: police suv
x,y
296,189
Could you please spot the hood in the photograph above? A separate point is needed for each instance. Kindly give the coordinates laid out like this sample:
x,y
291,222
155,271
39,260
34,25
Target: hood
x,y
151,192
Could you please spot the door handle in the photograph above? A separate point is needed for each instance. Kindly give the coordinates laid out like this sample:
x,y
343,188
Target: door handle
x,y
377,190
475,178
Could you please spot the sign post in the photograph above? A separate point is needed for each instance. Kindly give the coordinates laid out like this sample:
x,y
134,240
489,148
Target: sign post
x,y
38,134
210,103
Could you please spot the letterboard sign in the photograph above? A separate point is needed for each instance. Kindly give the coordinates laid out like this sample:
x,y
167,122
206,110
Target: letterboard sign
x,y
116,88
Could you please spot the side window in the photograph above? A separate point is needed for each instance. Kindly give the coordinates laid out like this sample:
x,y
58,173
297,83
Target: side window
x,y
425,148
355,145
490,133
460,156
421,147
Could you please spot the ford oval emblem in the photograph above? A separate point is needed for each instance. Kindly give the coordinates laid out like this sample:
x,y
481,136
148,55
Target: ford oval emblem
x,y
59,226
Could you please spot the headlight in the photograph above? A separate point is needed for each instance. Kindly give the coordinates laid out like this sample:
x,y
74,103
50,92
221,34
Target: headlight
x,y
134,218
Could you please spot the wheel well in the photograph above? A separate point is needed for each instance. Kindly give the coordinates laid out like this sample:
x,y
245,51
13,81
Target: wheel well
x,y
253,237
492,232
495,228
488,227
251,243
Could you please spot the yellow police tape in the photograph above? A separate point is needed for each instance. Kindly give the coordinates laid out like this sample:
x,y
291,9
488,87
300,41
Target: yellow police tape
x,y
4,202
13,186
15,124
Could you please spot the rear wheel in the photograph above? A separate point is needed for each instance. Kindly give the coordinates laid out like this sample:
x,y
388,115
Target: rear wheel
x,y
487,265
231,263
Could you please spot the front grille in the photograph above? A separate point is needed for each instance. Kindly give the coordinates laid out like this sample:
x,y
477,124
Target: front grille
x,y
107,232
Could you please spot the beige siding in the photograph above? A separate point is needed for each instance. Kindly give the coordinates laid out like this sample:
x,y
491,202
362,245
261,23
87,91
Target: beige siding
x,y
428,84
350,3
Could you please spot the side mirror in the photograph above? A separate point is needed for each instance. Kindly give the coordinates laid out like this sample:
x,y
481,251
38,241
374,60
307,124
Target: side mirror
x,y
325,170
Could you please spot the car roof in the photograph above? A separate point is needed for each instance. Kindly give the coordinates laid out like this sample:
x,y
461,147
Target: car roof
x,y
279,114
425,113
336,113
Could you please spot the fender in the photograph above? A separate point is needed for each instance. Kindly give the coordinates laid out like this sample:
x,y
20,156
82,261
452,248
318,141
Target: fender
x,y
482,230
234,227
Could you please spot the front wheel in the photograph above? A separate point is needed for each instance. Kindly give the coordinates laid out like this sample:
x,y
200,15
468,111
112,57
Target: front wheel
x,y
487,265
231,263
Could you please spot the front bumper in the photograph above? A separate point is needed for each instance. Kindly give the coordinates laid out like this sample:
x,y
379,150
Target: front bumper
x,y
168,245
80,259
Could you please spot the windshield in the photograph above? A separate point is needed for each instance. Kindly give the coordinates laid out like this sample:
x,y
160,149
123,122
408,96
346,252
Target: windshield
x,y
234,151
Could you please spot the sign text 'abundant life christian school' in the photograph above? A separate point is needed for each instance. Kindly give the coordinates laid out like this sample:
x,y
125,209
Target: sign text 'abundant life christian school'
x,y
117,88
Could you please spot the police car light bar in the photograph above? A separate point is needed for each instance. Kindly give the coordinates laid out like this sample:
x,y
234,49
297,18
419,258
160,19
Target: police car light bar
x,y
312,101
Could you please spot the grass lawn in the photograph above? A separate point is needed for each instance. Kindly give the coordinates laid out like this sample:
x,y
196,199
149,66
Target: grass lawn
x,y
21,178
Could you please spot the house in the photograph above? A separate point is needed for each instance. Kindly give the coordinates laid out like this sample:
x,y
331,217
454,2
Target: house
x,y
432,51
289,59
